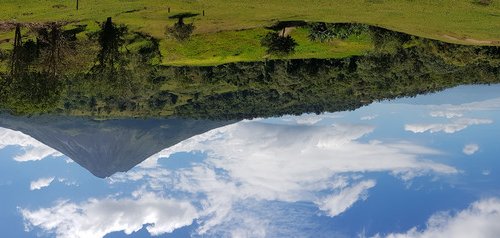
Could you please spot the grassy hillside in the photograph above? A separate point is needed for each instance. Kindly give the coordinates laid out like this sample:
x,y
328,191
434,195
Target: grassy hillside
x,y
230,30
427,18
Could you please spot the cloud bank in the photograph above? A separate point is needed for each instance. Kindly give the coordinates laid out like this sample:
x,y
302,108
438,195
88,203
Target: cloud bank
x,y
479,220
456,116
288,163
455,126
245,163
96,218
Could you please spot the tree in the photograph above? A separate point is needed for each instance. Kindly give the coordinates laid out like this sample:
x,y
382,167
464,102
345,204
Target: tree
x,y
17,64
53,47
180,30
387,41
28,90
278,44
34,92
110,40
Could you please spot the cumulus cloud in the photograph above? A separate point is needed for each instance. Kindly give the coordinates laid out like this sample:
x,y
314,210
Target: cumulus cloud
x,y
247,161
287,163
338,203
252,151
41,183
32,149
98,217
470,149
479,220
272,159
454,126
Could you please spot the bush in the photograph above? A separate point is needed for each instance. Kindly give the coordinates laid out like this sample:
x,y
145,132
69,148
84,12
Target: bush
x,y
180,31
277,44
483,2
327,31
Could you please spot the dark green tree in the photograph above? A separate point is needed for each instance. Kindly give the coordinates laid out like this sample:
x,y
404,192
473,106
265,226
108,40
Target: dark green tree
x,y
23,54
278,44
111,39
180,30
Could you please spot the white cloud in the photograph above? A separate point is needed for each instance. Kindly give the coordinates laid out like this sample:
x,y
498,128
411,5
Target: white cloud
x,y
34,153
247,161
159,176
454,126
67,182
41,183
281,153
283,162
479,220
369,117
96,218
470,149
338,203
32,149
446,114
453,111
308,120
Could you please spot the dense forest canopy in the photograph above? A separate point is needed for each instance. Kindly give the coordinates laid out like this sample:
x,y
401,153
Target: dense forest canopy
x,y
118,75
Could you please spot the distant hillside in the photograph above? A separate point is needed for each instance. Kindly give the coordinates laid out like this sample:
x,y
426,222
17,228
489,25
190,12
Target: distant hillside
x,y
107,147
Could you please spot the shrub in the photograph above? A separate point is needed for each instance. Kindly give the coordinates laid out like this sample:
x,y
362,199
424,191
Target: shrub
x,y
180,31
277,44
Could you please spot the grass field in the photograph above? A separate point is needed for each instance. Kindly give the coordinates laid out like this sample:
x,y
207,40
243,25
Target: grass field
x,y
244,45
229,30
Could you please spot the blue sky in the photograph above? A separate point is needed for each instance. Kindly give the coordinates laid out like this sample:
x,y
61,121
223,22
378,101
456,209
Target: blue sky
x,y
424,166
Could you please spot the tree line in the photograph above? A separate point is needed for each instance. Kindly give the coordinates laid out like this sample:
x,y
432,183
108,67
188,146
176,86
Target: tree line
x,y
115,73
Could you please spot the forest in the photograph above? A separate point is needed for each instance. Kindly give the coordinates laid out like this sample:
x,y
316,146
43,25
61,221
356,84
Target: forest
x,y
114,72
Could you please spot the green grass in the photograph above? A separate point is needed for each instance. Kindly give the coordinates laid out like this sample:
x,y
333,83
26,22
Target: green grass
x,y
213,48
230,29
427,18
244,46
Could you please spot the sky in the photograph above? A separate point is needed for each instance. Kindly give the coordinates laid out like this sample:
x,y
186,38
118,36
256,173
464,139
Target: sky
x,y
414,167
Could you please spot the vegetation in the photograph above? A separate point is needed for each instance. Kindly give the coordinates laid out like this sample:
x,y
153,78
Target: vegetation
x,y
322,32
483,2
224,23
181,31
121,77
278,44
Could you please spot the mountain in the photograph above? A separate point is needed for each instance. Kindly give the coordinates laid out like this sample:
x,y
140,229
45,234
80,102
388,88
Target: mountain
x,y
108,146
